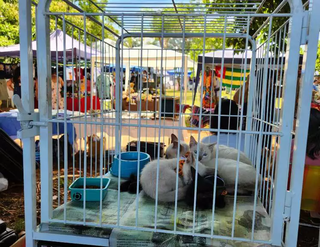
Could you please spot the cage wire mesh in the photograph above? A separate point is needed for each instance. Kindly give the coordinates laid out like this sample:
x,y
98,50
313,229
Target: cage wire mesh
x,y
116,97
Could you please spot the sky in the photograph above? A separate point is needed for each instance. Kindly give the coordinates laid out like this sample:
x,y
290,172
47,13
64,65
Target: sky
x,y
120,4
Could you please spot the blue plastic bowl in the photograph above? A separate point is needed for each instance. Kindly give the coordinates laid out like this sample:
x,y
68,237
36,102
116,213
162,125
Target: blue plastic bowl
x,y
129,163
92,195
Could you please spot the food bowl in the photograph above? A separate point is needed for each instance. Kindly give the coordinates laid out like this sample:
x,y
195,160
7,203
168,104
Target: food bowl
x,y
93,188
129,163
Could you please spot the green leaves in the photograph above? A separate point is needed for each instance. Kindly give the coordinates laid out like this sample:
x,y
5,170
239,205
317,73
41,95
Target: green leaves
x,y
318,59
9,19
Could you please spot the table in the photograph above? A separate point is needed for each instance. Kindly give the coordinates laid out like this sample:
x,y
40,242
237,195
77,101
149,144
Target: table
x,y
74,102
129,132
10,124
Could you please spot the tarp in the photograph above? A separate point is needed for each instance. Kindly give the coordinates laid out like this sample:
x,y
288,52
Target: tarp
x,y
177,71
58,40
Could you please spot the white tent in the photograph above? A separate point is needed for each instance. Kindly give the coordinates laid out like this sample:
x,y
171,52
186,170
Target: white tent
x,y
151,57
58,40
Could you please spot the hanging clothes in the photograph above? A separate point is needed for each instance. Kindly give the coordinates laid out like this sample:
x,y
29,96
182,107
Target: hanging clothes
x,y
3,90
209,97
103,85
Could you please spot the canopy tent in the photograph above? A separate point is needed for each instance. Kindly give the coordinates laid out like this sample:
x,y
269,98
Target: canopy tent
x,y
58,39
177,71
235,66
151,55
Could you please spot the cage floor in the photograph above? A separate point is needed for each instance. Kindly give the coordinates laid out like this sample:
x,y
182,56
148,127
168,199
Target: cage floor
x,y
165,220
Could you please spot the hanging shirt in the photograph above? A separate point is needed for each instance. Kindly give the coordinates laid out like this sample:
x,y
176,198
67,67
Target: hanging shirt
x,y
209,98
103,85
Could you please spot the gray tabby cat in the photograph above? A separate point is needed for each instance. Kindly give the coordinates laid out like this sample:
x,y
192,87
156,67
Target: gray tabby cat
x,y
227,165
172,149
207,152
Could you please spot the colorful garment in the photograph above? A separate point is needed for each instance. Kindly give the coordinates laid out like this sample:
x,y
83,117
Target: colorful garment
x,y
209,97
181,163
56,89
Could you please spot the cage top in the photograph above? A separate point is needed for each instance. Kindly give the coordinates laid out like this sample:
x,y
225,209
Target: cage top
x,y
171,16
181,6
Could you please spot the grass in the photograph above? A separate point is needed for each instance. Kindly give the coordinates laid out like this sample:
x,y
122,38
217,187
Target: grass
x,y
171,92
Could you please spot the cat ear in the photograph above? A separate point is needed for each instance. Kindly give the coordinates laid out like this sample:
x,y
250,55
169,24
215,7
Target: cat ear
x,y
175,144
174,138
190,158
193,142
211,146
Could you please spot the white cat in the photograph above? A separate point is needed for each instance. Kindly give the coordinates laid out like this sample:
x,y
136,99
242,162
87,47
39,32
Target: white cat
x,y
167,178
227,165
207,152
172,149
227,170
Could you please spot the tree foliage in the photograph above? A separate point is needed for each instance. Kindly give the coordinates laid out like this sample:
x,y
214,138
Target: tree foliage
x,y
9,18
267,8
318,59
236,43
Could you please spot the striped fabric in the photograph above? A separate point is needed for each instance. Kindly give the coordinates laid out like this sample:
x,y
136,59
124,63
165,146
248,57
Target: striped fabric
x,y
234,77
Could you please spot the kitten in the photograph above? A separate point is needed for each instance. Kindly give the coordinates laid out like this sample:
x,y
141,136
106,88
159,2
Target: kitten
x,y
227,169
172,150
227,165
60,150
94,147
167,179
130,185
205,192
207,152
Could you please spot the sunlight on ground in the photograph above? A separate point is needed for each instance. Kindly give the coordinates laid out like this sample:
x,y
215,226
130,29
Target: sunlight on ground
x,y
171,92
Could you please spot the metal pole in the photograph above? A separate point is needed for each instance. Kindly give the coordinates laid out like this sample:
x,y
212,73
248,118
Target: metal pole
x,y
302,124
286,121
27,93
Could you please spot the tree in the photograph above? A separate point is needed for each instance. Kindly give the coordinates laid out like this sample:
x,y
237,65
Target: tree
x,y
9,17
318,59
268,7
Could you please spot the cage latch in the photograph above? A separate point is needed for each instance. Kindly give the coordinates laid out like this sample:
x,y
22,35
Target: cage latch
x,y
287,206
27,128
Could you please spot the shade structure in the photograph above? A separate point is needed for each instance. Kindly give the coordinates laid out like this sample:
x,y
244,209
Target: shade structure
x,y
151,57
235,65
58,41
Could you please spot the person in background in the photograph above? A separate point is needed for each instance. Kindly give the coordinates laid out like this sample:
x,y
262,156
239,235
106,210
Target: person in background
x,y
56,90
315,85
311,186
14,84
56,86
229,122
3,86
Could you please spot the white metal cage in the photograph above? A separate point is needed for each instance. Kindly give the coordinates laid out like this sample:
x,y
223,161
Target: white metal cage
x,y
103,122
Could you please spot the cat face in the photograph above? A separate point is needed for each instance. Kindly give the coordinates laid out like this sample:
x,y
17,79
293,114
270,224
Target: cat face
x,y
205,150
172,150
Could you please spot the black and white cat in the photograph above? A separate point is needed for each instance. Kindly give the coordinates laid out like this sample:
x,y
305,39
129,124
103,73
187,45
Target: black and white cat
x,y
205,192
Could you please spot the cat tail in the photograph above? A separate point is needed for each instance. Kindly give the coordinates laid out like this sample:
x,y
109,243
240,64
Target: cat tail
x,y
170,196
